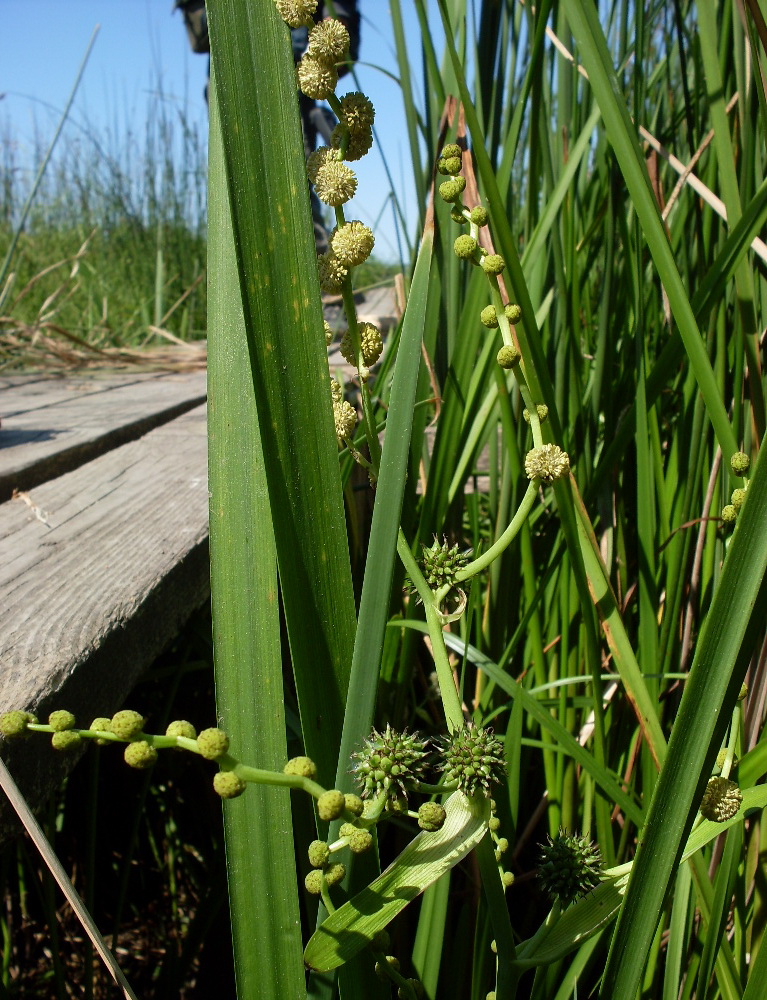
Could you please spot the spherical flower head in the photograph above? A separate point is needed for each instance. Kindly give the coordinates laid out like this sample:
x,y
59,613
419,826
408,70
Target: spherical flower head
x,y
353,804
508,879
569,867
330,805
360,141
494,824
465,247
474,758
431,816
489,317
313,882
345,420
729,513
212,743
513,313
357,111
457,216
14,724
140,755
721,800
381,941
360,841
181,728
738,498
61,720
547,463
328,41
479,216
297,13
503,845
449,165
335,874
304,767
331,272
66,739
389,762
336,392
101,725
508,356
127,724
335,183
540,408
371,345
739,463
452,149
493,263
352,243
319,852
440,563
316,78
228,785
316,159
451,191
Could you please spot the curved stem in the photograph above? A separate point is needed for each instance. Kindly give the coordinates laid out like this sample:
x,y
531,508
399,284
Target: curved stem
x,y
501,543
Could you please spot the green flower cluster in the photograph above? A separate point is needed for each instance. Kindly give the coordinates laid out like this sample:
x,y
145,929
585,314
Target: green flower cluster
x,y
739,464
569,867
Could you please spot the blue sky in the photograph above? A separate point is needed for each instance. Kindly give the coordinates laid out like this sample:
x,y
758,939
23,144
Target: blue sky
x,y
143,42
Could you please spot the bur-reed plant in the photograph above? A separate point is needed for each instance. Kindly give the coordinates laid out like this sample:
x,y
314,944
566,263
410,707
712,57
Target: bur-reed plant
x,y
591,615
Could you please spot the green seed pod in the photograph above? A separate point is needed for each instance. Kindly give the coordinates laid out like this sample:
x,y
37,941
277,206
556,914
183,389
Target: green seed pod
x,y
228,785
334,874
389,762
547,463
181,728
569,867
14,724
737,499
357,112
330,804
451,164
140,755
360,141
451,191
441,562
328,41
316,78
101,725
66,739
360,841
381,941
739,463
61,720
508,356
451,150
313,882
513,313
316,159
474,758
127,724
335,183
493,263
489,317
729,513
213,743
354,804
297,13
331,271
431,816
721,800
465,247
479,216
302,766
319,852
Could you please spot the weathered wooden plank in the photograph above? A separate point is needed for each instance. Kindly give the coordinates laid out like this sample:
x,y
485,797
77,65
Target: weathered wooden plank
x,y
52,426
92,594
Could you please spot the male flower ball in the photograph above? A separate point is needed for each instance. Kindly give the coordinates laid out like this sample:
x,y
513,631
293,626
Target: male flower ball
x,y
213,743
547,463
61,720
352,243
14,724
371,345
328,41
316,78
303,767
721,800
335,183
330,804
140,755
739,463
228,785
357,112
297,13
127,724
431,816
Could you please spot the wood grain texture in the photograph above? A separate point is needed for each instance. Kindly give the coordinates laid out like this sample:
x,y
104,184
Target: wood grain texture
x,y
50,426
90,596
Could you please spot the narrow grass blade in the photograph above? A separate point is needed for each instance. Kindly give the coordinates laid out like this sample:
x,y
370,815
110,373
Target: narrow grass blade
x,y
263,897
276,259
734,621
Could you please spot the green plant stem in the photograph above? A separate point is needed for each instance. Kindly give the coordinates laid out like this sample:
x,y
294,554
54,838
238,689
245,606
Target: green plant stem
x,y
502,543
